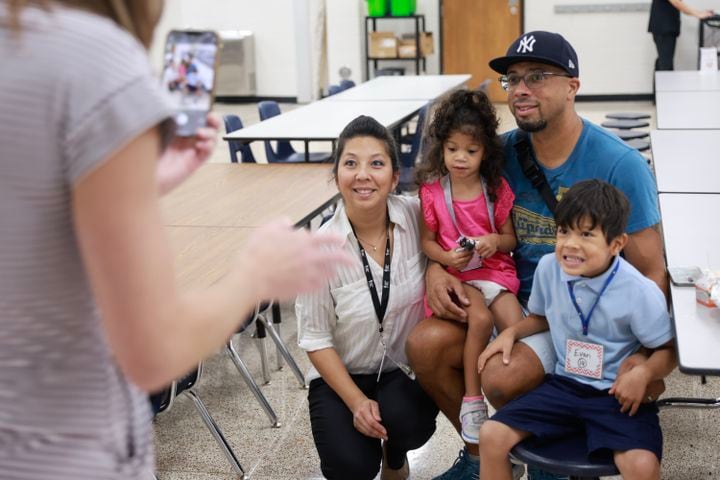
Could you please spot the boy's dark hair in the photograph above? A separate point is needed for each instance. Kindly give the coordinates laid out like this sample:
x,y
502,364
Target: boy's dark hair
x,y
364,126
469,112
597,201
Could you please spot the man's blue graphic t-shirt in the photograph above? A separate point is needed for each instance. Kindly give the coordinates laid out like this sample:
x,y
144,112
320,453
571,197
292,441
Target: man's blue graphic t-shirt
x,y
597,154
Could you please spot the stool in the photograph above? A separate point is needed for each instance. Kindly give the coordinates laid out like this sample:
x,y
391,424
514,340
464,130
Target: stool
x,y
629,134
389,71
565,456
638,144
625,124
627,116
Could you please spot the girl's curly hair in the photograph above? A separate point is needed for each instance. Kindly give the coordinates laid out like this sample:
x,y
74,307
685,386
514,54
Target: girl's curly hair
x,y
469,112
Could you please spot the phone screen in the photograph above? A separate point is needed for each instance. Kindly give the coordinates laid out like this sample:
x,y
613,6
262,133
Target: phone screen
x,y
189,76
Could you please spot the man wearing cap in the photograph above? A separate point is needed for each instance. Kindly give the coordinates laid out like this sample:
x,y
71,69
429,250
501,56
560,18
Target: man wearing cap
x,y
540,73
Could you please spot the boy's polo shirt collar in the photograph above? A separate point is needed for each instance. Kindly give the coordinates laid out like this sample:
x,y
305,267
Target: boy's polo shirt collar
x,y
595,283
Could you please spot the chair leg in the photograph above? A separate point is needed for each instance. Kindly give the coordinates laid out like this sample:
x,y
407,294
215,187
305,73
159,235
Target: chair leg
x,y
260,335
282,348
245,373
277,319
688,402
217,434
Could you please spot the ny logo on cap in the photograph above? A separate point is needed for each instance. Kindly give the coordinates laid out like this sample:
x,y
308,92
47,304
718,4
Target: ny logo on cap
x,y
526,44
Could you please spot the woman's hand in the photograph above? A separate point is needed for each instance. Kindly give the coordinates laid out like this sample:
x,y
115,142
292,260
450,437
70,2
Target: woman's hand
x,y
366,419
283,261
441,288
458,258
487,245
185,154
702,14
502,344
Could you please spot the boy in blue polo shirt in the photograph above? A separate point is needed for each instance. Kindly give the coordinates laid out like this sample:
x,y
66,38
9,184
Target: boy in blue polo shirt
x,y
599,310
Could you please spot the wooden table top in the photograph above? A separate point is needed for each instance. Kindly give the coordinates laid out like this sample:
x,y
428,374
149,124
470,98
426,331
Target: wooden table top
x,y
249,195
204,254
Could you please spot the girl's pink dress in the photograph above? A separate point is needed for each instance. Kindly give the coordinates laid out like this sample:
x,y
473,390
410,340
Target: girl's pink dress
x,y
472,219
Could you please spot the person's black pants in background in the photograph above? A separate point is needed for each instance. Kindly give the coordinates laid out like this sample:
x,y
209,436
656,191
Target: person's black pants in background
x,y
407,413
665,45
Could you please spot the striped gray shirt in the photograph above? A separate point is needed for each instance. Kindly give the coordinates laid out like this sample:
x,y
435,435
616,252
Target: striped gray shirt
x,y
74,88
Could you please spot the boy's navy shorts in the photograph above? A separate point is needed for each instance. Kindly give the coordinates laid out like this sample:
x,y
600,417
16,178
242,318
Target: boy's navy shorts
x,y
562,406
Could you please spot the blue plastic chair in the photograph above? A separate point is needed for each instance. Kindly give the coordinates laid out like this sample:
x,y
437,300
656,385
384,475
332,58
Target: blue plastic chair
x,y
345,84
565,456
164,400
285,152
232,123
333,89
408,159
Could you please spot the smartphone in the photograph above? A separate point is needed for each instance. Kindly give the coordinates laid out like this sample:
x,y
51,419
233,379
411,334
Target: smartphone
x,y
684,276
189,68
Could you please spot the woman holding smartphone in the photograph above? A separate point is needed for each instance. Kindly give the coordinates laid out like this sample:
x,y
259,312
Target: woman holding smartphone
x,y
90,317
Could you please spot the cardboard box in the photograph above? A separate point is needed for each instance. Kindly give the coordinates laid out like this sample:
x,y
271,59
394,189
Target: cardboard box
x,y
407,45
382,45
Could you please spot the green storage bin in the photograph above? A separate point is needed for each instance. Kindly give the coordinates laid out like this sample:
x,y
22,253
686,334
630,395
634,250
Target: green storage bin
x,y
377,8
402,8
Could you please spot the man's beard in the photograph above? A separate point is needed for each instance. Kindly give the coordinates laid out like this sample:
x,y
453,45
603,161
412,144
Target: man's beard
x,y
531,126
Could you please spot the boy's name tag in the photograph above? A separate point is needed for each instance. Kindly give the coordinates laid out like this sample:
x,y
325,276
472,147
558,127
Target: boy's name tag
x,y
585,359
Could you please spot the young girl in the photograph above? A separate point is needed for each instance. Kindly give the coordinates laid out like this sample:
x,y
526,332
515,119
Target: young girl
x,y
467,228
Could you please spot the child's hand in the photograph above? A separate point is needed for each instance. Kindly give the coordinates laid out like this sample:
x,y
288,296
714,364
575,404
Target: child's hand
x,y
458,260
487,245
502,344
629,389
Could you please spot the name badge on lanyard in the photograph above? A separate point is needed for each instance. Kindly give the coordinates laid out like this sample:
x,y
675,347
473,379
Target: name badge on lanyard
x,y
584,358
379,304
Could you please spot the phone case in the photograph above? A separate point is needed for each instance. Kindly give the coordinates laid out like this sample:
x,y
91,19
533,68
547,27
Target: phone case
x,y
189,71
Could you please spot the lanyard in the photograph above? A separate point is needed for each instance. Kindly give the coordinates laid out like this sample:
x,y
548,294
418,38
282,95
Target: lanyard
x,y
447,191
583,319
380,305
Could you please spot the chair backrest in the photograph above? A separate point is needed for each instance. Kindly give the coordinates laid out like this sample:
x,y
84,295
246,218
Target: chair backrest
x,y
268,109
483,87
163,399
232,123
333,89
409,160
345,84
190,380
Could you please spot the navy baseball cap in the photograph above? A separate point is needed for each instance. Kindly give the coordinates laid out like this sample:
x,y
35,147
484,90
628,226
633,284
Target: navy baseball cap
x,y
541,47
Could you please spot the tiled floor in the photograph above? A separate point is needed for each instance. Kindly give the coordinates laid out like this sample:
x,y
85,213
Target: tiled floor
x,y
185,449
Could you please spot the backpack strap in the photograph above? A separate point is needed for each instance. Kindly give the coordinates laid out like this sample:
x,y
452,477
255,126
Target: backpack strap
x,y
532,170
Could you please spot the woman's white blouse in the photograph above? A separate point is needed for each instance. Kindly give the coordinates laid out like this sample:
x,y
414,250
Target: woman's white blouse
x,y
342,315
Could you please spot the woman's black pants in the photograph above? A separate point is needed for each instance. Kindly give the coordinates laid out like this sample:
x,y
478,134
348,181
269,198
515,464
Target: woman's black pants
x,y
407,413
665,45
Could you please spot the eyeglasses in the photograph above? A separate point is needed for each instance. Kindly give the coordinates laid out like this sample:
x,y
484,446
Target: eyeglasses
x,y
532,80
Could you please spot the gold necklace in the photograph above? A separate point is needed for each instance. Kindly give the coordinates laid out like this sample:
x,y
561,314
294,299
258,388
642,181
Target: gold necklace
x,y
377,242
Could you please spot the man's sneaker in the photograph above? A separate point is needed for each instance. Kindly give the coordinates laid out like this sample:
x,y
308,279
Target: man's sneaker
x,y
535,473
464,468
472,415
